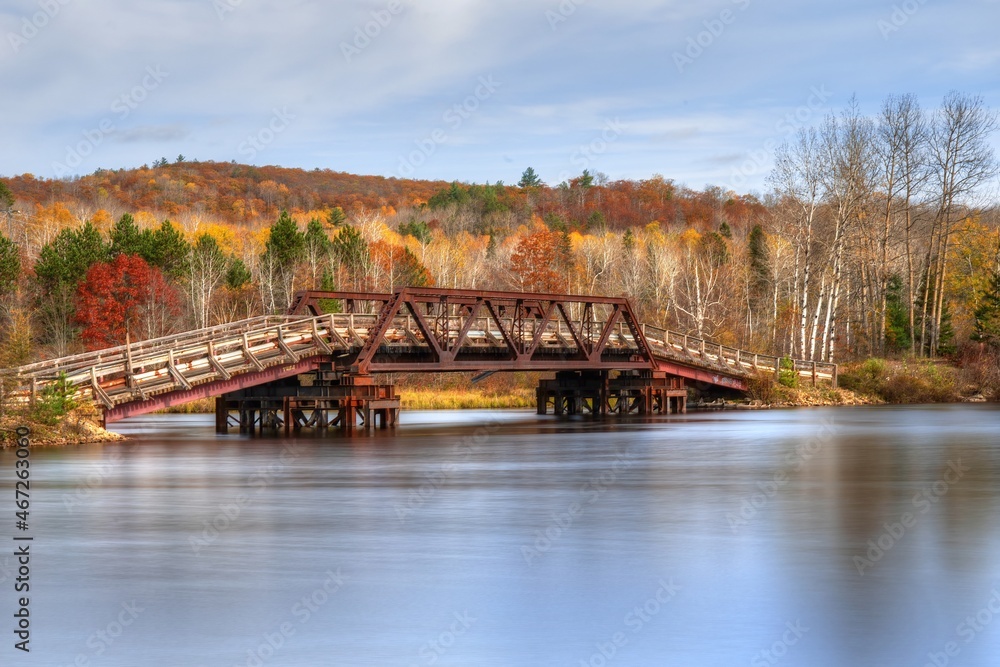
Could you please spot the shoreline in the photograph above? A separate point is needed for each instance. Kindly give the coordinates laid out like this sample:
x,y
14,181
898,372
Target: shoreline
x,y
868,383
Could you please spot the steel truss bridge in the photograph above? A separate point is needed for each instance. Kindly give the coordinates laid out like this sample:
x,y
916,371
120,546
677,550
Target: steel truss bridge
x,y
323,365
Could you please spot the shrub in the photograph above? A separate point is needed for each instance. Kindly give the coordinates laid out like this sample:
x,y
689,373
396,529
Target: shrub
x,y
761,387
54,403
787,375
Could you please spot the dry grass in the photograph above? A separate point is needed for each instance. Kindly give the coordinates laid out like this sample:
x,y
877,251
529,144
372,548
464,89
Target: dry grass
x,y
199,407
458,399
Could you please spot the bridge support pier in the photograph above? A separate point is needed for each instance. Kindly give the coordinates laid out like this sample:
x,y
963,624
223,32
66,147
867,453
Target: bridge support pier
x,y
594,392
323,400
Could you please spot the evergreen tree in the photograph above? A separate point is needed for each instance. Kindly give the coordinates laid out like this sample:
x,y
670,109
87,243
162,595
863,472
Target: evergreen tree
x,y
760,269
987,313
10,266
897,320
628,241
286,244
529,179
336,217
128,239
285,248
169,250
418,229
6,197
350,247
66,259
238,274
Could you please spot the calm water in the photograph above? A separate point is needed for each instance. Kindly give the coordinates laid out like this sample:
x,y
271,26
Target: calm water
x,y
846,536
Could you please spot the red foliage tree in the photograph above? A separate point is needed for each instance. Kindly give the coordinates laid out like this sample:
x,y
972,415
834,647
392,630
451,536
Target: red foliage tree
x,y
124,297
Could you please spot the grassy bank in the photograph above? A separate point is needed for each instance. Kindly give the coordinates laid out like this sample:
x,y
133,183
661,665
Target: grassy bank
x,y
80,425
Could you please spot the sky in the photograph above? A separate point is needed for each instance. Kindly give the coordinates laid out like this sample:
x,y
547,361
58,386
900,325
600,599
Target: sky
x,y
469,90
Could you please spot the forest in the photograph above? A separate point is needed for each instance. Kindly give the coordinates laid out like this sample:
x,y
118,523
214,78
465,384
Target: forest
x,y
878,236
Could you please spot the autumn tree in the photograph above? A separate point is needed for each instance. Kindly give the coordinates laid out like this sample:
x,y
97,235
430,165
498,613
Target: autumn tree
x,y
208,269
124,299
399,267
961,160
535,263
60,267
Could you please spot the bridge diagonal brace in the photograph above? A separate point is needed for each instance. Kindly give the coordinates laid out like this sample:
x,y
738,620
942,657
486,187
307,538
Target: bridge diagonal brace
x,y
463,333
432,340
250,355
319,340
536,337
99,392
507,339
638,335
174,373
377,333
214,362
339,340
609,327
284,346
577,338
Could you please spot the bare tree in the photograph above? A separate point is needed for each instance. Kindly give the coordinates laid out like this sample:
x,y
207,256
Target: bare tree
x,y
797,179
961,160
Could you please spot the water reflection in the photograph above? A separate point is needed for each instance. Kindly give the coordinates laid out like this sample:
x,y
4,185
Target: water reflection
x,y
502,538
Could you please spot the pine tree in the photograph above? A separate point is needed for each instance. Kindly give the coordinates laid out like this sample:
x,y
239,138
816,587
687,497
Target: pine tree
x,y
336,217
6,197
760,269
238,274
351,251
285,248
897,321
10,266
529,179
66,259
169,250
286,244
987,314
128,239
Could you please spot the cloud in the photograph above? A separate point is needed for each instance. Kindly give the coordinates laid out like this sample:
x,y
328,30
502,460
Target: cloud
x,y
151,133
560,81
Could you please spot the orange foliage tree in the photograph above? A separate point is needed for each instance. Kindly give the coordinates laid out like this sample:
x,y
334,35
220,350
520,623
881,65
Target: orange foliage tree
x,y
536,263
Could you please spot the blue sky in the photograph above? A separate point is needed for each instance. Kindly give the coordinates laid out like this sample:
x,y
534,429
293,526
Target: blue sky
x,y
470,90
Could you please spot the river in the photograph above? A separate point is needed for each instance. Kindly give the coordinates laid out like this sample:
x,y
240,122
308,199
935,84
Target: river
x,y
815,537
